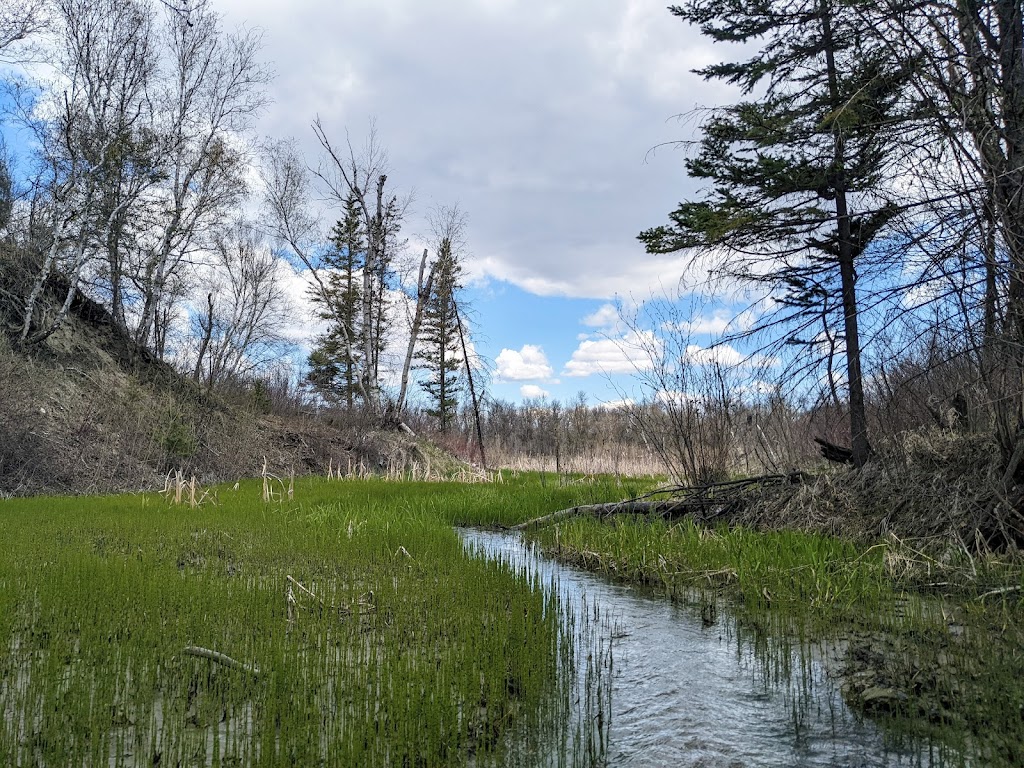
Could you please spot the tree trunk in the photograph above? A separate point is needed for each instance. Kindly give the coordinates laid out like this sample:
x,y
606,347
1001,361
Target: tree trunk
x,y
374,252
422,294
205,343
472,388
847,272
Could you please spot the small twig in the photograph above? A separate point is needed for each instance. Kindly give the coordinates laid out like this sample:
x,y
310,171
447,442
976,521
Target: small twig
x,y
308,592
1000,591
221,658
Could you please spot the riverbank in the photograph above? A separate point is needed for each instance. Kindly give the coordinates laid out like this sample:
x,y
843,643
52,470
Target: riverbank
x,y
331,622
935,657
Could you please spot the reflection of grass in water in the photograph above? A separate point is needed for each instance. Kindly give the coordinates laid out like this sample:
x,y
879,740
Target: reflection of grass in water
x,y
99,597
949,668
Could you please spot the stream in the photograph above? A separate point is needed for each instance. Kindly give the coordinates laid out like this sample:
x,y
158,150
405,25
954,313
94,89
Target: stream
x,y
687,691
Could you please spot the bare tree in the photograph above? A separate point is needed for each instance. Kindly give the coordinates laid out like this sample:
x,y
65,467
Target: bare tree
x,y
103,67
966,146
19,20
214,88
241,328
142,149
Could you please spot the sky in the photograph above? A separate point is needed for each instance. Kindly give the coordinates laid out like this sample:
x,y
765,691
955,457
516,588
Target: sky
x,y
558,128
552,125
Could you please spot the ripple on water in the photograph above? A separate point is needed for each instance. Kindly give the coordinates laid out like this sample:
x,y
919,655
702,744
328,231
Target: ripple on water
x,y
686,694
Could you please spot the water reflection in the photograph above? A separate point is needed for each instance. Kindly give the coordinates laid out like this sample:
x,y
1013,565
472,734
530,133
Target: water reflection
x,y
689,692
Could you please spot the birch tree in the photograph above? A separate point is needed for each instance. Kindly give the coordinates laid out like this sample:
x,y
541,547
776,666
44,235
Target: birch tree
x,y
19,20
241,328
96,105
213,90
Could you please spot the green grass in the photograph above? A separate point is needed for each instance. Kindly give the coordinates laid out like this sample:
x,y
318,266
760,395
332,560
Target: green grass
x,y
955,659
452,659
796,572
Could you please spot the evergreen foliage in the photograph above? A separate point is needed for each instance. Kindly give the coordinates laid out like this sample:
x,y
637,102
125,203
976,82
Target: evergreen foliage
x,y
439,353
795,170
335,358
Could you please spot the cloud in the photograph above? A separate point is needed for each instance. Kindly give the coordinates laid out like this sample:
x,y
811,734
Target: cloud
x,y
723,354
304,323
672,397
630,353
561,139
726,356
533,392
714,325
605,317
617,405
528,363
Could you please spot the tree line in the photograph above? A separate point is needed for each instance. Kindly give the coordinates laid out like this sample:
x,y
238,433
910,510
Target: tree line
x,y
145,190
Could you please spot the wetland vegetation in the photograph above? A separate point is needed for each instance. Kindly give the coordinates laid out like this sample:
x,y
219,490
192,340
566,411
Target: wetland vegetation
x,y
353,629
906,641
349,625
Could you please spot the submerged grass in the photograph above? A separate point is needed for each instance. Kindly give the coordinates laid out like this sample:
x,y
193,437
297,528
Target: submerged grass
x,y
362,631
945,665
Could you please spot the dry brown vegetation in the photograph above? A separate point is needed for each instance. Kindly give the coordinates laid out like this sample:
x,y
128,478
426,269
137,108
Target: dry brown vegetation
x,y
80,416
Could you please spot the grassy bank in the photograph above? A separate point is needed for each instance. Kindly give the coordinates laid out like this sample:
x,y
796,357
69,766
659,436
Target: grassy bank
x,y
354,629
910,641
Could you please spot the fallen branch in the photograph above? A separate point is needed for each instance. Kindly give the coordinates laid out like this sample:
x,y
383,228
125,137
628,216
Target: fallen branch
x,y
221,658
366,601
307,591
710,500
1001,591
601,510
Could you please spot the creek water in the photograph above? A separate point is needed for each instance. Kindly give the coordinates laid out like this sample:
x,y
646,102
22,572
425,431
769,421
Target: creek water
x,y
686,690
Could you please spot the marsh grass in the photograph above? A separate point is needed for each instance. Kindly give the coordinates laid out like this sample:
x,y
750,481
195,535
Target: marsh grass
x,y
933,646
405,651
801,573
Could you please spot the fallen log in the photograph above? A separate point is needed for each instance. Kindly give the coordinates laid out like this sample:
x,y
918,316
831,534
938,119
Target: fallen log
x,y
714,497
837,454
594,510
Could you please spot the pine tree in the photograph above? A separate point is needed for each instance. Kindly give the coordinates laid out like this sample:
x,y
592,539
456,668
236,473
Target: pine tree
x,y
795,172
439,336
335,359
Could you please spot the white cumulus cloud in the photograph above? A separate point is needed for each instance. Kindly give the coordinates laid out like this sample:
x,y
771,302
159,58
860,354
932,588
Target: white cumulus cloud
x,y
528,363
533,392
617,405
630,353
605,317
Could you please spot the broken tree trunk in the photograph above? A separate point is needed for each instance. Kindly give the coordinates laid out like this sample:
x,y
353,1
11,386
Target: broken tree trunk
x,y
835,453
